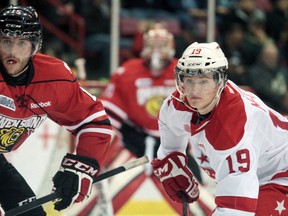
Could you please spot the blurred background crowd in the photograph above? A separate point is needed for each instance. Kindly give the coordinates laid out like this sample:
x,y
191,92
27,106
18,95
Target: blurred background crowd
x,y
252,33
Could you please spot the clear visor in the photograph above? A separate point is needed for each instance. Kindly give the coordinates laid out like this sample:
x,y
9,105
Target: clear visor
x,y
185,86
35,36
22,44
196,72
218,74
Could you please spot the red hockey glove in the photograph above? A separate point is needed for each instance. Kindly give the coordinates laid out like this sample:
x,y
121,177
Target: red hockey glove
x,y
74,179
176,177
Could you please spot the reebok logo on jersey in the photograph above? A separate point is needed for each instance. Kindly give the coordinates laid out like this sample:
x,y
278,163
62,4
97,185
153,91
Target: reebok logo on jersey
x,y
41,104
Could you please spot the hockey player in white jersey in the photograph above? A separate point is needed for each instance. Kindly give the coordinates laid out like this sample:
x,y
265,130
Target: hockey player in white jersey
x,y
236,139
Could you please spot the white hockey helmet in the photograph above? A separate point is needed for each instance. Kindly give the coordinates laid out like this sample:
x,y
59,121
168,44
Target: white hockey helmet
x,y
202,59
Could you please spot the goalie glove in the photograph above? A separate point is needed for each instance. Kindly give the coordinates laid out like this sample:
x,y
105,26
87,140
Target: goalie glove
x,y
74,179
176,177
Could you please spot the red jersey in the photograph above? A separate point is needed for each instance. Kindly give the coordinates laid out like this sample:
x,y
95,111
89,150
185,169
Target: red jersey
x,y
52,91
134,95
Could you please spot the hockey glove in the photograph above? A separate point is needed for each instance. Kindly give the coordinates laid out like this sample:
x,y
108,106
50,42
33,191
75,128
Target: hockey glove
x,y
74,179
176,177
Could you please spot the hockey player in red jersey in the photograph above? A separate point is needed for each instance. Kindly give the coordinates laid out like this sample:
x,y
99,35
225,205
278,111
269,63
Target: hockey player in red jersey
x,y
236,139
35,87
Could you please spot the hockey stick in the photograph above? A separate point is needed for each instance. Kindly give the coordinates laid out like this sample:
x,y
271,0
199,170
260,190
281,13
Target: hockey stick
x,y
185,205
53,196
185,208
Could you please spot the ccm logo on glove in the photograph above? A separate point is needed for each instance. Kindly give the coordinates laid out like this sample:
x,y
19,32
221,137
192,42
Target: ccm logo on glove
x,y
77,165
171,166
74,179
177,179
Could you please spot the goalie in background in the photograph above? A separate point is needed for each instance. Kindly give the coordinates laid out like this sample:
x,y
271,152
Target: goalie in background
x,y
35,87
236,138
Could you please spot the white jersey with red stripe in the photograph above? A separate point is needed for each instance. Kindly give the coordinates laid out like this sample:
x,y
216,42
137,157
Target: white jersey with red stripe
x,y
243,144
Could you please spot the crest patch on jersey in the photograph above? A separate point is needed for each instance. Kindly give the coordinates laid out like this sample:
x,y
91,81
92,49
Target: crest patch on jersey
x,y
9,136
7,102
153,105
13,131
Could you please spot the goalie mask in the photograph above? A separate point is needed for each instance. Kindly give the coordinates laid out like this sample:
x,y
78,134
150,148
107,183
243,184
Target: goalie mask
x,y
158,49
202,59
22,22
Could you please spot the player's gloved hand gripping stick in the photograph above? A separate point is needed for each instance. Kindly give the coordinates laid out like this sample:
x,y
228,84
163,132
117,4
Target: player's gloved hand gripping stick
x,y
74,179
176,177
82,177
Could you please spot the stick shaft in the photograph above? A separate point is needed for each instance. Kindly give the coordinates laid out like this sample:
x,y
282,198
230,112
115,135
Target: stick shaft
x,y
185,205
53,196
185,208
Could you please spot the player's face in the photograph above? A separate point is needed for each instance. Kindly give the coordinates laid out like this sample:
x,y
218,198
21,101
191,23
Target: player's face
x,y
14,54
200,91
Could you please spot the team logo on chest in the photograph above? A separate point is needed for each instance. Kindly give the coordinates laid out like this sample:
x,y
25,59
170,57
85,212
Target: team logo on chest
x,y
152,98
153,105
15,131
9,136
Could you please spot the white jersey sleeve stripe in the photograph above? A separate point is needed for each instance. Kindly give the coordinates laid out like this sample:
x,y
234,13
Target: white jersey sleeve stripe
x,y
86,120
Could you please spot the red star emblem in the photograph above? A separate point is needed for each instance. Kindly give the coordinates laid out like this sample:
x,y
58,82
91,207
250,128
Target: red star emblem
x,y
203,158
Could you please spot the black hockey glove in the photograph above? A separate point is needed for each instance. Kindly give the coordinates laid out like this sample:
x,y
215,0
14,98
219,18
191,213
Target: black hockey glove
x,y
74,179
